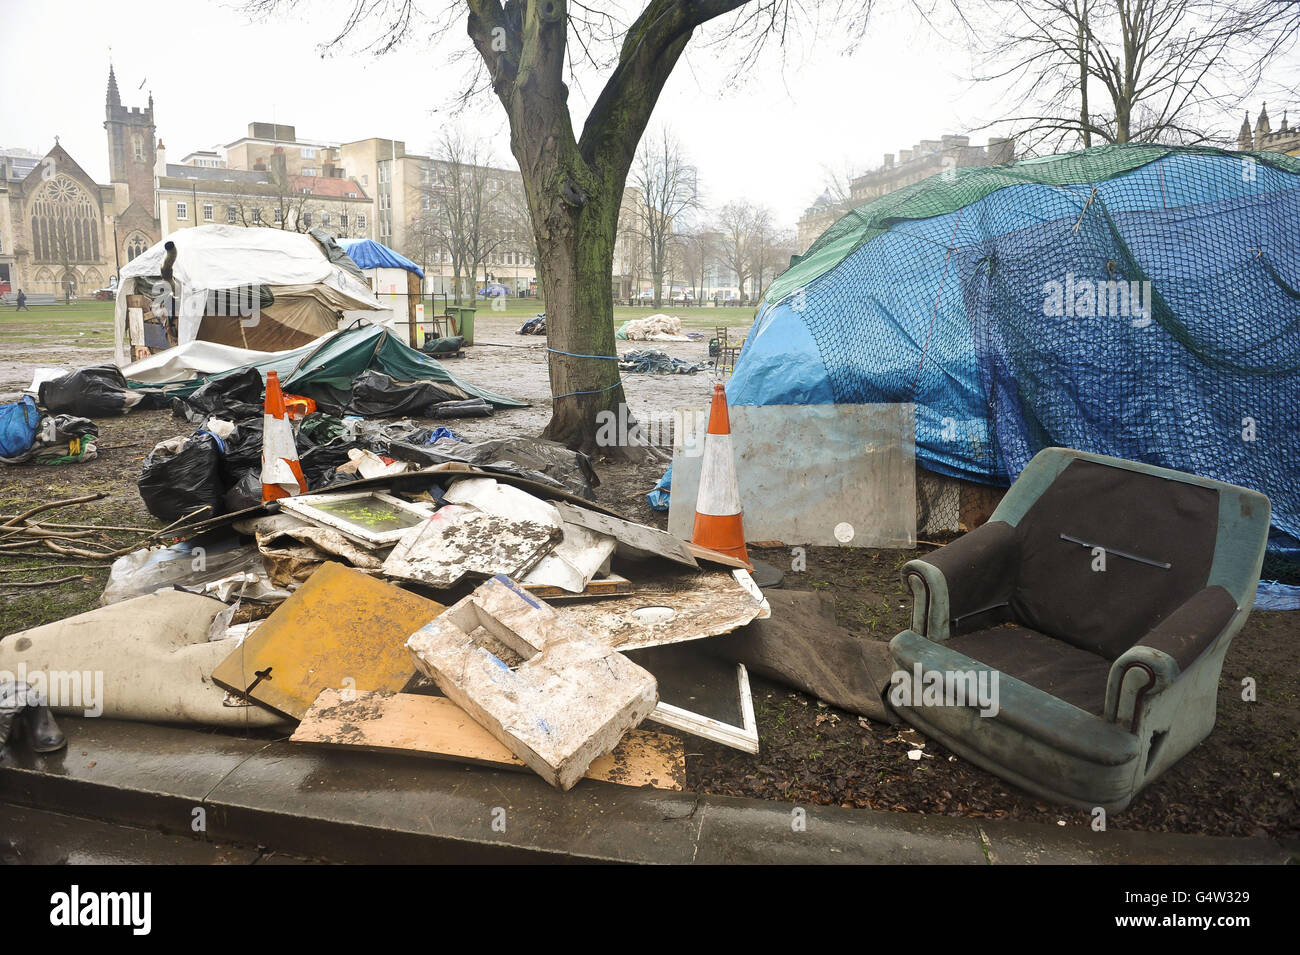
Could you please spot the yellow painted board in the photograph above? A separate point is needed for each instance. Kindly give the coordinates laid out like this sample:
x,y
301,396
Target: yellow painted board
x,y
342,629
413,724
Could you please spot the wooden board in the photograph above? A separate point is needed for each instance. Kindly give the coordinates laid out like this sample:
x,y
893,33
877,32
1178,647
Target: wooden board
x,y
634,540
669,606
434,726
610,586
716,557
341,629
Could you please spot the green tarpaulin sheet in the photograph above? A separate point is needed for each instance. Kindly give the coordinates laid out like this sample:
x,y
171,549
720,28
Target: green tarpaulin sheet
x,y
326,368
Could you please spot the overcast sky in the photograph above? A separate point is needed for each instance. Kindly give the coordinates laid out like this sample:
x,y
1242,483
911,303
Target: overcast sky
x,y
212,71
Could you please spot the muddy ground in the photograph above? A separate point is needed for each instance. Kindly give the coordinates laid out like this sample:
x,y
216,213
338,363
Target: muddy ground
x,y
1241,781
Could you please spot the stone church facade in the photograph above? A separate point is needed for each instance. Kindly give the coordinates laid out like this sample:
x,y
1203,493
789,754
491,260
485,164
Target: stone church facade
x,y
60,230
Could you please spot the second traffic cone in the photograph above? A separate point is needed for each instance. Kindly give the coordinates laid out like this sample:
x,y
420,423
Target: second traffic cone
x,y
281,473
717,506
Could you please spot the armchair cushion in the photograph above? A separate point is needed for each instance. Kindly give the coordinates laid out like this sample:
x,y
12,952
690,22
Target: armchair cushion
x,y
1105,612
1053,666
979,568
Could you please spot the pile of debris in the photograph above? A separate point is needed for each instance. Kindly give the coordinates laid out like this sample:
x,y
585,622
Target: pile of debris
x,y
654,328
465,601
534,326
543,627
652,361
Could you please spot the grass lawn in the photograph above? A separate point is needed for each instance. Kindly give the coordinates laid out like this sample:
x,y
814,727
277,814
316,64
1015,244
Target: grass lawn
x,y
692,317
73,324
61,324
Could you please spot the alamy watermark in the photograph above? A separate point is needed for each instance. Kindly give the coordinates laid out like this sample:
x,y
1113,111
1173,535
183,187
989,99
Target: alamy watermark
x,y
68,689
243,302
922,687
1091,298
621,429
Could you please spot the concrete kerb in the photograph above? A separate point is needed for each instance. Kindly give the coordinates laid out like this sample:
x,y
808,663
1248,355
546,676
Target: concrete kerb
x,y
369,807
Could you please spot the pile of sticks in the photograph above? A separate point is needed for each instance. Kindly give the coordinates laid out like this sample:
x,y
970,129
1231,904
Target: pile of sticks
x,y
23,537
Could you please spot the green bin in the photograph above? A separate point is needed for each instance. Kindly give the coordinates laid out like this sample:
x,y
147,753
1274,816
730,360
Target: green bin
x,y
462,319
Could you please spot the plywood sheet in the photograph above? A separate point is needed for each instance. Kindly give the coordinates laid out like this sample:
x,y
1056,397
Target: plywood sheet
x,y
830,475
609,586
342,628
434,726
460,540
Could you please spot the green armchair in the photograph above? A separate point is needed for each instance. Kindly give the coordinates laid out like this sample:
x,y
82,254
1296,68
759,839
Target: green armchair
x,y
1099,600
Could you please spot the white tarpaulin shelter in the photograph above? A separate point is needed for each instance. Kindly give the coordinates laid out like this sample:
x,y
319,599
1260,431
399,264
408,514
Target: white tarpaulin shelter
x,y
219,272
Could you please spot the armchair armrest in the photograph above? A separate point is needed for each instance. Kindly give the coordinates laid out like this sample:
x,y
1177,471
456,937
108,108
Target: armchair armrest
x,y
975,572
1168,650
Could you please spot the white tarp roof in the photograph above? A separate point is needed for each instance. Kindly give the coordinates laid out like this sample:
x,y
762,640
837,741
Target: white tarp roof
x,y
213,257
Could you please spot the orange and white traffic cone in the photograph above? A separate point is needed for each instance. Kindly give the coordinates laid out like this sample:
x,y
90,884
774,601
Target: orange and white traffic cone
x,y
281,473
717,506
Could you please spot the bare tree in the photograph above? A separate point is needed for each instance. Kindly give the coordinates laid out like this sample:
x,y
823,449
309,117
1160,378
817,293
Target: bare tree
x,y
740,221
469,209
666,189
695,251
574,180
1115,71
278,205
771,248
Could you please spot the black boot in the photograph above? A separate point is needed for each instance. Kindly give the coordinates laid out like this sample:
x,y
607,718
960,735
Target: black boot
x,y
11,708
41,732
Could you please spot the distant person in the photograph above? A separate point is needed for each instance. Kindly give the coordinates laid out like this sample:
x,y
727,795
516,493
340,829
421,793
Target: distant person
x,y
22,301
67,294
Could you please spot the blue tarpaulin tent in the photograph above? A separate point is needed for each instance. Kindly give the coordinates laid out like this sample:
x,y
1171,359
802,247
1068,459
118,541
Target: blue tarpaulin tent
x,y
369,254
1136,301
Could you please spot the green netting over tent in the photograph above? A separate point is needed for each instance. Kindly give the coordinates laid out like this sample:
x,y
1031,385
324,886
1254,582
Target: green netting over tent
x,y
955,188
1138,301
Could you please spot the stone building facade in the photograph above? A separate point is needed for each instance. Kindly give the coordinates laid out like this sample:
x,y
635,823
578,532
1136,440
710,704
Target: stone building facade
x,y
63,233
1264,138
926,158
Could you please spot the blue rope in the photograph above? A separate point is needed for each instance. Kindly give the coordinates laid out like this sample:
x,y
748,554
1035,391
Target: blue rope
x,y
575,355
596,392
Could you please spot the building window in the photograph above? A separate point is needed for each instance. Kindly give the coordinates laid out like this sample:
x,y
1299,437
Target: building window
x,y
365,180
343,220
279,215
308,171
207,212
134,247
352,195
257,216
232,214
324,218
137,143
306,220
308,152
361,220
182,211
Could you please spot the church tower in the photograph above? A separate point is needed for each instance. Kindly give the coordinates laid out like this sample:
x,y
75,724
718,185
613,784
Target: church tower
x,y
1262,127
131,139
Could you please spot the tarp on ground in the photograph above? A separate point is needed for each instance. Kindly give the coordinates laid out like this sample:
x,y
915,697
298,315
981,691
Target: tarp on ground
x,y
324,369
369,254
192,360
991,298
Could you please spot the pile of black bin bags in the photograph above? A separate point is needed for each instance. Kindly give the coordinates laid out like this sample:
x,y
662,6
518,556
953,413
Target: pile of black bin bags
x,y
219,466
